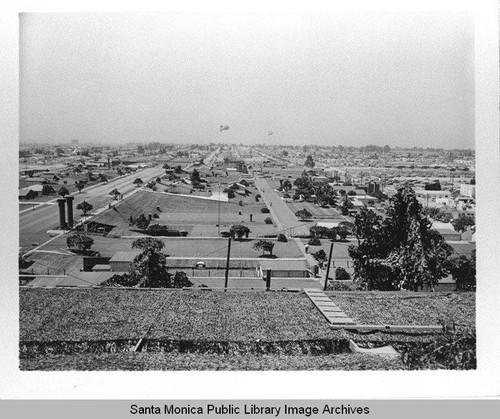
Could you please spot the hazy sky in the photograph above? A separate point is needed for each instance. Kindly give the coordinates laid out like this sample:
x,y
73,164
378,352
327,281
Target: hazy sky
x,y
346,78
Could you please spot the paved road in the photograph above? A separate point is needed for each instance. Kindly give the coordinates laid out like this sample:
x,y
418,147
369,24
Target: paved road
x,y
282,214
35,224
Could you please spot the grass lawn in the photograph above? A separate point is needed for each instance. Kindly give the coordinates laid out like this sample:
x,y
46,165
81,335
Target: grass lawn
x,y
185,212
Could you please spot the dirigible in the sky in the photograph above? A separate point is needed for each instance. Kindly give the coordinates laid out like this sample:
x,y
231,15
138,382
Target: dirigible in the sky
x,y
224,128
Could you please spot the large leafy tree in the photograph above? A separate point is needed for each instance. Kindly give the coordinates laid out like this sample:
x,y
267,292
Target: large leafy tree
x,y
400,252
239,231
149,268
462,223
63,191
80,242
309,162
303,214
265,245
85,207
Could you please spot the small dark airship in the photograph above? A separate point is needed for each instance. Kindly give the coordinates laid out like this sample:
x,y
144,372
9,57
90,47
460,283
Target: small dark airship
x,y
224,128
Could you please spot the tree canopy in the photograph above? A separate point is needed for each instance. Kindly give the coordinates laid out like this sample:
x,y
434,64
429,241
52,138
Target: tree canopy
x,y
149,269
85,207
265,245
80,242
400,252
239,231
303,214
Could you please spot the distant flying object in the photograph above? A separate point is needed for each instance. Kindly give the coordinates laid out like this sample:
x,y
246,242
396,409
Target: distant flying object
x,y
269,133
224,128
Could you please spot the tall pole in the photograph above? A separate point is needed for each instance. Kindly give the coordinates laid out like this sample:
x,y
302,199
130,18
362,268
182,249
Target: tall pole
x,y
218,216
328,267
227,264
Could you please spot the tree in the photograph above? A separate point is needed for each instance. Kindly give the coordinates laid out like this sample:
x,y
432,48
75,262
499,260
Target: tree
x,y
433,186
265,245
115,193
80,242
195,176
341,274
230,192
320,256
463,270
102,178
400,252
239,231
461,223
346,205
85,207
142,222
303,214
80,185
268,220
63,192
138,182
309,162
287,185
48,189
149,269
140,149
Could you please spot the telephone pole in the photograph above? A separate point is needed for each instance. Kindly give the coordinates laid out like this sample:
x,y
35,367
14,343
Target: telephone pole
x,y
227,264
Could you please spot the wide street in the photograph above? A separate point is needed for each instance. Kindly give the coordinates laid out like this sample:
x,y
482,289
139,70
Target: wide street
x,y
34,224
285,219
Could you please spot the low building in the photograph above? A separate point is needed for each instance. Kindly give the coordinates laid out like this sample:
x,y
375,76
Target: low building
x,y
122,261
433,198
281,268
467,189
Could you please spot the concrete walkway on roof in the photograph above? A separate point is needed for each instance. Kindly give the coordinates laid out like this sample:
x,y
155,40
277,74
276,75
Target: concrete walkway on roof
x,y
328,308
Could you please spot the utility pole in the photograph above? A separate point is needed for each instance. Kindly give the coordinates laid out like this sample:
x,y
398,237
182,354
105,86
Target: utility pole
x,y
218,217
227,264
328,267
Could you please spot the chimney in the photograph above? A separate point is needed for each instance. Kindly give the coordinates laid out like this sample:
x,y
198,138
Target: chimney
x,y
150,217
62,215
69,202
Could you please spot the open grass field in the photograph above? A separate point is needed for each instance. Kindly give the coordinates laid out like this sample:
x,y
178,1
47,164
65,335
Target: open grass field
x,y
197,216
175,247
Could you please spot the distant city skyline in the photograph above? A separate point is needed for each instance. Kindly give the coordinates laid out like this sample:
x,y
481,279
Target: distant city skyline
x,y
401,79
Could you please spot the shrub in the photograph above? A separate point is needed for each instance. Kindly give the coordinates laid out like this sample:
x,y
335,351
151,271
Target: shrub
x,y
268,220
341,274
320,255
156,216
282,238
265,210
452,350
314,241
157,230
225,234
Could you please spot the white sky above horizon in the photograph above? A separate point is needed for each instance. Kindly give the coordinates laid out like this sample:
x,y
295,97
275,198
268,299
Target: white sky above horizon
x,y
402,79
